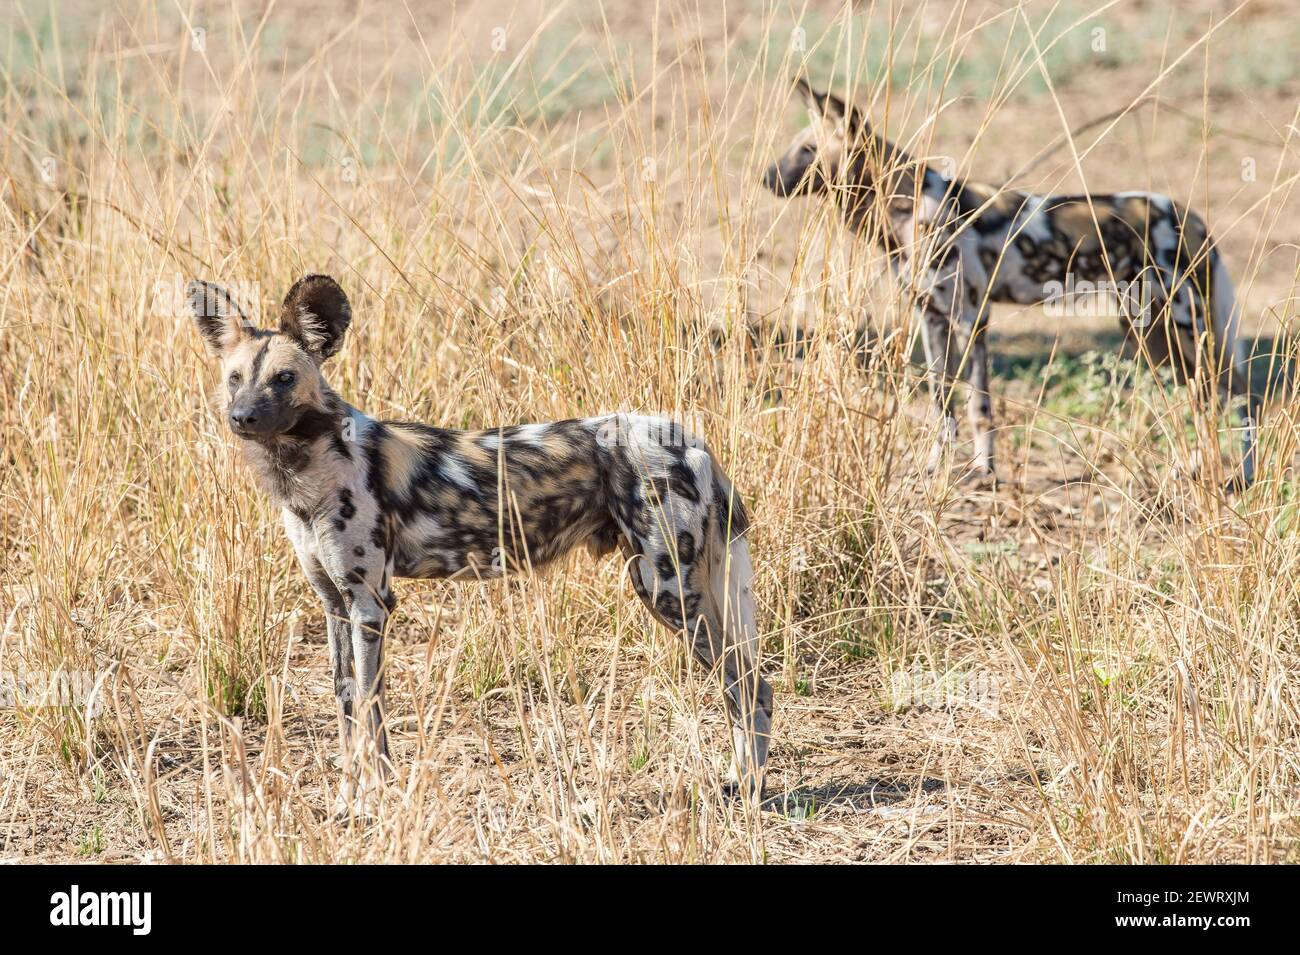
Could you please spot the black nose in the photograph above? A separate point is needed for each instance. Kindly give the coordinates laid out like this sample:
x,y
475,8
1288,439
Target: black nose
x,y
773,180
243,418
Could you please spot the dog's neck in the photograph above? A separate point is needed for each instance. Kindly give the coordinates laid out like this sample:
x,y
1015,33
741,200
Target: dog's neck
x,y
300,467
878,187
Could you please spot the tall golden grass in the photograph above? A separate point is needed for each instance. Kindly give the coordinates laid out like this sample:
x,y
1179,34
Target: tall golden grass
x,y
1095,661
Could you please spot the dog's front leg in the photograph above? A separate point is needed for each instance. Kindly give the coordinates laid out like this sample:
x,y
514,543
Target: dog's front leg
x,y
937,338
336,621
979,405
338,631
360,572
368,616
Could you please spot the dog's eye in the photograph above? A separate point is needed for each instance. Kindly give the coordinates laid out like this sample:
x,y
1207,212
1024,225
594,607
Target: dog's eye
x,y
286,377
235,378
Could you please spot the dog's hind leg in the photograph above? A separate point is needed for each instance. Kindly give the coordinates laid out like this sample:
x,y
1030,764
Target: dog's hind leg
x,y
1231,366
1226,382
685,602
1206,356
1239,391
696,582
730,612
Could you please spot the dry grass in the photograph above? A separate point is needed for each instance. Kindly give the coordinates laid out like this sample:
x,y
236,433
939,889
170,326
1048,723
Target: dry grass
x,y
1094,661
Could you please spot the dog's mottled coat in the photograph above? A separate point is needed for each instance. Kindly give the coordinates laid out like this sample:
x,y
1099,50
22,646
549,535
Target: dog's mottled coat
x,y
959,247
365,501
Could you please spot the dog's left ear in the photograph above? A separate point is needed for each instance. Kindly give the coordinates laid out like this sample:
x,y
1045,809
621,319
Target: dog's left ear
x,y
315,314
828,107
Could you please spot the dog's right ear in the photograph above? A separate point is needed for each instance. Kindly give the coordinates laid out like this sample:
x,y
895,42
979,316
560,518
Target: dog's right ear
x,y
217,314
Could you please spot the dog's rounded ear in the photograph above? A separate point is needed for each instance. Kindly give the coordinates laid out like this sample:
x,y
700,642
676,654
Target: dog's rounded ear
x,y
220,320
315,314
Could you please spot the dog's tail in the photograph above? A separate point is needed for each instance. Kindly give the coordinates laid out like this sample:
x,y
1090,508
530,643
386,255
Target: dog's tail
x,y
731,572
731,569
729,509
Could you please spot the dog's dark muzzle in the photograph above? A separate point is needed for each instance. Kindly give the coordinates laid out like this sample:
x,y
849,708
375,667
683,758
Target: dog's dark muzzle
x,y
789,178
258,419
774,180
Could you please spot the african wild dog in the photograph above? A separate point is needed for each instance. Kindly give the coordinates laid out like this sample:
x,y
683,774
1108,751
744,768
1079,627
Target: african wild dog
x,y
365,501
959,246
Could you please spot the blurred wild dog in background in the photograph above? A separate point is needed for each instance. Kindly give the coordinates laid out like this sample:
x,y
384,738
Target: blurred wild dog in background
x,y
959,247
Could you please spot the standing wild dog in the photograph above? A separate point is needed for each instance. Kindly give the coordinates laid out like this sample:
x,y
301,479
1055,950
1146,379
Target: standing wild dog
x,y
958,247
365,501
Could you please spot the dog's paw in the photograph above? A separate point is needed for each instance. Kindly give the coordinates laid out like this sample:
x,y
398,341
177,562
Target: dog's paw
x,y
736,791
938,462
738,788
343,807
360,799
362,808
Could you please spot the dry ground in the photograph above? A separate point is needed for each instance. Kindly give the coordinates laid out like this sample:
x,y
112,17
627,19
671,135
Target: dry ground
x,y
551,210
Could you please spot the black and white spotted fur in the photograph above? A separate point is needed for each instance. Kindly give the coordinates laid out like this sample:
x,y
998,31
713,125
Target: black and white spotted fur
x,y
365,501
958,247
